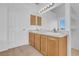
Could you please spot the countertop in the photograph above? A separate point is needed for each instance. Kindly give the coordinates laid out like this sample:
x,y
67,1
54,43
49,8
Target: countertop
x,y
58,34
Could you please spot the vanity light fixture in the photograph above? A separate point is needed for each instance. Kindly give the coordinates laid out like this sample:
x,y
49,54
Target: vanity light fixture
x,y
49,7
46,8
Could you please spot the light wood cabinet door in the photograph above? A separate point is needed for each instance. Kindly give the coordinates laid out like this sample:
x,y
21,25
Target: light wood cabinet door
x,y
52,46
32,20
39,20
44,44
63,46
32,39
37,41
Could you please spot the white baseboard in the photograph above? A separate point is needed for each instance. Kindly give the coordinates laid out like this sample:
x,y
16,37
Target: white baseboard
x,y
17,45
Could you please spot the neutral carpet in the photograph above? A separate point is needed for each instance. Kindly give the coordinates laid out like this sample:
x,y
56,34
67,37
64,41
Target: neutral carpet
x,y
25,50
75,52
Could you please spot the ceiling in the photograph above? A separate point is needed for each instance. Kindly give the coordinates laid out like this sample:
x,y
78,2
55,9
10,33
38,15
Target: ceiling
x,y
60,10
75,8
75,11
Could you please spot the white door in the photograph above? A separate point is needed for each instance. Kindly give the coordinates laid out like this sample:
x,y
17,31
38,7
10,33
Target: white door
x,y
18,26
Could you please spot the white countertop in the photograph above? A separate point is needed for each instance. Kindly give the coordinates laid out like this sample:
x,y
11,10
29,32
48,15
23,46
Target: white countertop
x,y
49,33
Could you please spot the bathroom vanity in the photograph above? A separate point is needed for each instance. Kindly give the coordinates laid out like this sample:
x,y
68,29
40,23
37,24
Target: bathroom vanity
x,y
48,43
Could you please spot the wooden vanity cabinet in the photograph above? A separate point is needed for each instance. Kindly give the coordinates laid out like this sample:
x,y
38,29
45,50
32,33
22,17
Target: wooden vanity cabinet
x,y
37,42
31,39
49,45
52,46
57,46
44,44
63,46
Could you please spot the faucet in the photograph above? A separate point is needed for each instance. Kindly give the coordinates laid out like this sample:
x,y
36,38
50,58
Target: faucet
x,y
55,30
